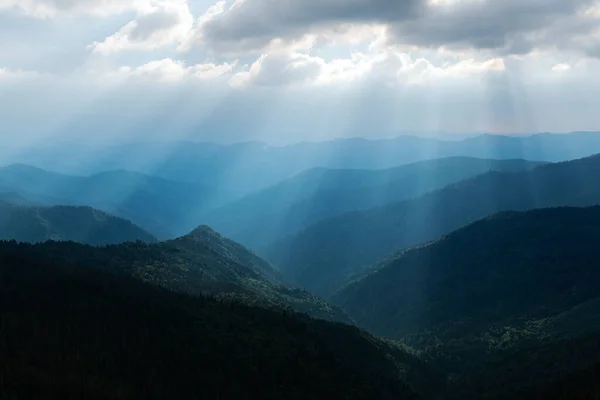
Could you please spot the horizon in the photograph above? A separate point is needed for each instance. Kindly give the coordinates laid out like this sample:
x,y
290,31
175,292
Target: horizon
x,y
439,136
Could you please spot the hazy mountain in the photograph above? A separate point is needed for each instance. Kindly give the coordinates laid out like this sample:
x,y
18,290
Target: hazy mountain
x,y
513,299
246,167
164,207
202,262
78,224
294,204
321,257
15,199
71,332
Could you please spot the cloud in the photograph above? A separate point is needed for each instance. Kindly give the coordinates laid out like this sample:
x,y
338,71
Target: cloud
x,y
154,27
388,67
54,8
280,69
258,22
561,67
506,27
171,71
68,8
8,75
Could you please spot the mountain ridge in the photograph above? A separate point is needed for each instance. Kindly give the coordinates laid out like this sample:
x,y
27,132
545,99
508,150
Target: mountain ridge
x,y
67,223
294,204
345,245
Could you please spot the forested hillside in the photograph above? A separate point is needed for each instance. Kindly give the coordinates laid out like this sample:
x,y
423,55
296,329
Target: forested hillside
x,y
511,301
202,262
70,332
324,255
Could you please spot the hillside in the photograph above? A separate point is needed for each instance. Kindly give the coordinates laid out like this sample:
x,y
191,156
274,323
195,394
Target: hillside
x,y
514,297
70,332
294,204
324,255
202,262
164,207
64,223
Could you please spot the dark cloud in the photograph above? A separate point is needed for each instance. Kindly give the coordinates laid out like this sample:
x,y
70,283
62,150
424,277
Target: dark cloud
x,y
263,20
510,26
149,24
516,26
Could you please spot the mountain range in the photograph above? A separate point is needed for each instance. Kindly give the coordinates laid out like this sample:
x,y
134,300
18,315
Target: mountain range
x,y
330,251
165,208
243,168
273,213
407,268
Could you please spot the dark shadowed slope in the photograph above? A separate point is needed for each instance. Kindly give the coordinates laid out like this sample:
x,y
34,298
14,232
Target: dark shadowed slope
x,y
70,332
78,224
164,207
294,204
202,262
324,255
509,302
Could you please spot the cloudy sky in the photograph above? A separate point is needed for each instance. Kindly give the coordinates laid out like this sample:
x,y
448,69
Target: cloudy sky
x,y
289,70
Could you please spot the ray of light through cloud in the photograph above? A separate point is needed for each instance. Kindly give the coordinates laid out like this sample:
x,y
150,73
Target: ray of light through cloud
x,y
107,73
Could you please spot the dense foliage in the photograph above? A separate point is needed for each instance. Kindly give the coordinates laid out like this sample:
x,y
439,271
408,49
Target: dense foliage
x,y
294,204
68,332
78,224
322,257
516,295
202,262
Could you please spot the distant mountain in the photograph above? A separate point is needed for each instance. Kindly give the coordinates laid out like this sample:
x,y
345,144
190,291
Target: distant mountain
x,y
509,302
72,332
243,168
273,213
324,255
164,207
202,262
77,224
15,199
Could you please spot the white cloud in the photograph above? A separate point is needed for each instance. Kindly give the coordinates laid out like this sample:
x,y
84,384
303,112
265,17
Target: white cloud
x,y
561,67
54,8
171,71
280,69
388,67
8,75
154,27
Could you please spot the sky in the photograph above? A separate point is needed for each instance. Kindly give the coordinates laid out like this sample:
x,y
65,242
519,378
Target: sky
x,y
284,71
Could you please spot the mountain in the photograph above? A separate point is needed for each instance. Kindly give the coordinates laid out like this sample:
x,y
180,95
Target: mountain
x,y
165,207
200,263
228,167
71,332
15,199
273,213
511,301
324,255
78,224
